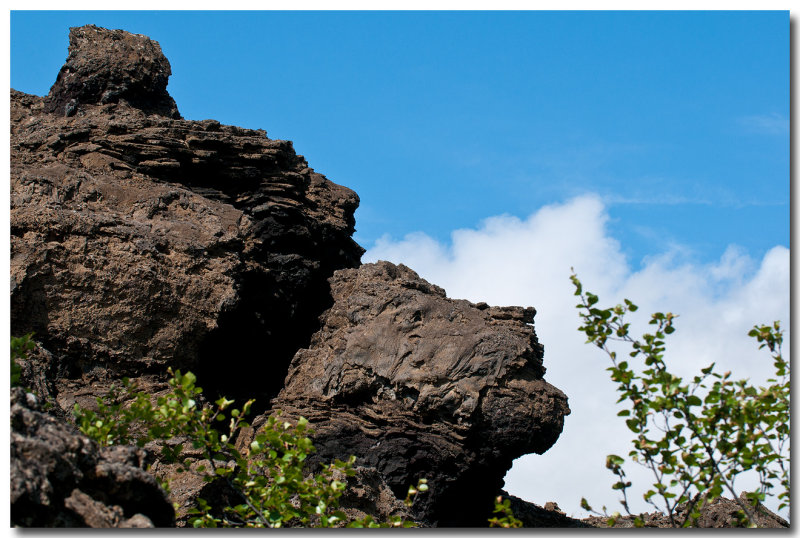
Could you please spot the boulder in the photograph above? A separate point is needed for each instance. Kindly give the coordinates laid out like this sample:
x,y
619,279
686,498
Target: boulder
x,y
547,516
418,385
61,478
109,66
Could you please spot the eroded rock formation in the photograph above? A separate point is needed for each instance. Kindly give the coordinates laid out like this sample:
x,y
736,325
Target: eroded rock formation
x,y
60,478
419,385
110,66
141,241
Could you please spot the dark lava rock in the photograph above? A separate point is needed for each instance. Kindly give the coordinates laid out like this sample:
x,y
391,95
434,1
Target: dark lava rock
x,y
418,385
60,478
722,513
547,516
109,66
140,241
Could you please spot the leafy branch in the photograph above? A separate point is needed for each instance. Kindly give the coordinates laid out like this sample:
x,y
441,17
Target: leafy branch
x,y
270,478
695,437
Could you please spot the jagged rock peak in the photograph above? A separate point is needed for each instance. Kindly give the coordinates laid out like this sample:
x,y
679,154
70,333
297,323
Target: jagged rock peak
x,y
110,66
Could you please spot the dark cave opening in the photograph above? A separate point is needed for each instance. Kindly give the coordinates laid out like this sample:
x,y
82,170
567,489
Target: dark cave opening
x,y
248,355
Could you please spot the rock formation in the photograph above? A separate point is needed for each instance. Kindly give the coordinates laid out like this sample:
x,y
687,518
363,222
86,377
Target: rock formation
x,y
721,513
140,241
112,66
60,478
418,385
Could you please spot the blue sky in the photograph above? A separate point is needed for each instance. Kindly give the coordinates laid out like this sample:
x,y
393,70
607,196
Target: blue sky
x,y
492,151
679,120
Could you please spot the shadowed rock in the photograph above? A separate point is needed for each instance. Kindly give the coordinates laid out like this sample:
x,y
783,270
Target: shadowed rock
x,y
141,242
60,478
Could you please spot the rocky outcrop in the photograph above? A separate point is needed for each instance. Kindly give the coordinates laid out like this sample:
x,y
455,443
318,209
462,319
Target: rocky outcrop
x,y
112,66
547,516
60,478
418,385
140,241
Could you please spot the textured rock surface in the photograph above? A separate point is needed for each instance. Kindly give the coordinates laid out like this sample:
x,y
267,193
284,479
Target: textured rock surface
x,y
547,516
368,494
418,385
110,66
60,478
140,241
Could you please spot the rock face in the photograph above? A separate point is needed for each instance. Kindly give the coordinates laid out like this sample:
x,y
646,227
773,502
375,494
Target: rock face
x,y
141,241
109,66
60,478
418,385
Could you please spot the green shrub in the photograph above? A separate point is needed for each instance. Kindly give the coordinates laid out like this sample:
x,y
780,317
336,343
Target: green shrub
x,y
504,515
270,480
20,346
696,437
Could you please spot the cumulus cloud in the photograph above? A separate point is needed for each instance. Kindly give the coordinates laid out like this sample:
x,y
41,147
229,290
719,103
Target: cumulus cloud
x,y
512,261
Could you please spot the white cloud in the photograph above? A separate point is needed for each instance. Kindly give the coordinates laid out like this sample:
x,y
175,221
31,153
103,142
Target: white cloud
x,y
510,261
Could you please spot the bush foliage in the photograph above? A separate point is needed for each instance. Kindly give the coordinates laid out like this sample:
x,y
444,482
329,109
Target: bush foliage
x,y
504,516
20,346
270,478
695,436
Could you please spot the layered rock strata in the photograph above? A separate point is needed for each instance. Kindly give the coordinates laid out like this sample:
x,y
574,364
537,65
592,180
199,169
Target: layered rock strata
x,y
140,241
